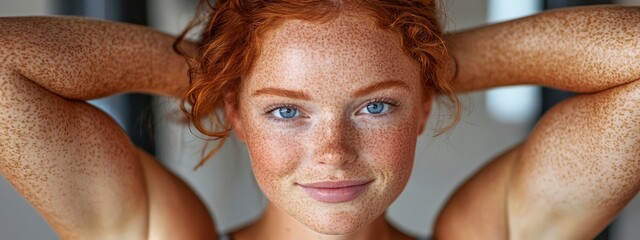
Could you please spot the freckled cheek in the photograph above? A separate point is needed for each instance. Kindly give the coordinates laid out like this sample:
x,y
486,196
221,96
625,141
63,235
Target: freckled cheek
x,y
391,150
274,153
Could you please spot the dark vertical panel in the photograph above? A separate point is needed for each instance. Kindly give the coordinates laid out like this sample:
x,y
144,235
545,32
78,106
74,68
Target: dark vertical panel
x,y
550,96
551,4
69,7
140,108
130,11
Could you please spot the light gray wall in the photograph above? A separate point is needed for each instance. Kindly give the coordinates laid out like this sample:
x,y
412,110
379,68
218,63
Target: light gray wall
x,y
24,7
225,183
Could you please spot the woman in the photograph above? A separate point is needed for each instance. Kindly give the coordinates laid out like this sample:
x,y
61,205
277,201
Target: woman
x,y
330,159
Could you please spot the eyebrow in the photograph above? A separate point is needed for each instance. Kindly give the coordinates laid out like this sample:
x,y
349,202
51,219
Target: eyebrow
x,y
282,93
380,86
304,96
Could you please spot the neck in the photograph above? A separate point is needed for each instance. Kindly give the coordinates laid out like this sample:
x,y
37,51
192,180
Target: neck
x,y
276,224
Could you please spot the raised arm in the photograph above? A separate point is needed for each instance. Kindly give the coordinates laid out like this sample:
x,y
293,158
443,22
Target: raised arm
x,y
71,161
581,164
82,59
585,49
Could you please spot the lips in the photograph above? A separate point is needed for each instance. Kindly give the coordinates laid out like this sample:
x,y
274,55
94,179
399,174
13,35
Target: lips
x,y
335,192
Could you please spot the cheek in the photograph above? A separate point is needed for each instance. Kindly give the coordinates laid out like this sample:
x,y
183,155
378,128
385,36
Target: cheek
x,y
391,150
275,155
391,144
391,153
277,152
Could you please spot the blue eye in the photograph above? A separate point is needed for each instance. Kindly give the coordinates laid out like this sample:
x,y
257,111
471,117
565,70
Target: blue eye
x,y
285,112
376,108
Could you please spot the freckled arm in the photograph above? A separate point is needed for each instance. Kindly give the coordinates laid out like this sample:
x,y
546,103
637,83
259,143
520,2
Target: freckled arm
x,y
82,59
581,164
586,49
70,160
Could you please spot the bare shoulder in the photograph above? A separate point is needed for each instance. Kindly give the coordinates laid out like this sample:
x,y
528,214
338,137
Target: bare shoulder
x,y
71,161
78,168
175,211
478,208
579,167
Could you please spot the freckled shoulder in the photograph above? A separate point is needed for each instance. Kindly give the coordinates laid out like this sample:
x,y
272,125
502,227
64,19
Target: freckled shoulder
x,y
77,167
478,208
175,211
579,167
71,161
569,180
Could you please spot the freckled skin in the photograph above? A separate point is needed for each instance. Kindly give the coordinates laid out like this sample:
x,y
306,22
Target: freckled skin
x,y
332,141
567,181
584,50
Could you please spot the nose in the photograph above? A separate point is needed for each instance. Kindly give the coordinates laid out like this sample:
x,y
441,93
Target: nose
x,y
335,142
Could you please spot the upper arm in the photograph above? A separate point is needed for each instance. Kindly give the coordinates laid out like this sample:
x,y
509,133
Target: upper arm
x,y
578,168
581,49
71,161
82,59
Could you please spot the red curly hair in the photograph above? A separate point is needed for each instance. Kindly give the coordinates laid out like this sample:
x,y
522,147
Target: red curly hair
x,y
230,44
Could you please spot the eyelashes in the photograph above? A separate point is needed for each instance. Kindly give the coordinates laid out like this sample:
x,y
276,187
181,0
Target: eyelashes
x,y
379,107
282,113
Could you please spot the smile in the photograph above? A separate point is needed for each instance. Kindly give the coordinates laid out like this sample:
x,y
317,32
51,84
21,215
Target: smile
x,y
335,192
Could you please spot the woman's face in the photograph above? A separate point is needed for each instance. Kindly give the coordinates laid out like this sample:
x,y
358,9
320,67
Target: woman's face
x,y
331,114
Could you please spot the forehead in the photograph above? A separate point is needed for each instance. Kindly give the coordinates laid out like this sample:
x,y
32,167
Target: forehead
x,y
349,51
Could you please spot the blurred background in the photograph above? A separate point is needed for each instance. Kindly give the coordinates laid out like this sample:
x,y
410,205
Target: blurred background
x,y
492,122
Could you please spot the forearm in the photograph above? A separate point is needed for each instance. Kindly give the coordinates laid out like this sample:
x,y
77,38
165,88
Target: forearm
x,y
587,49
84,59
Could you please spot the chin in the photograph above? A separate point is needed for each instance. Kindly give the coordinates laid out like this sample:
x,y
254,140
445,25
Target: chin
x,y
338,224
